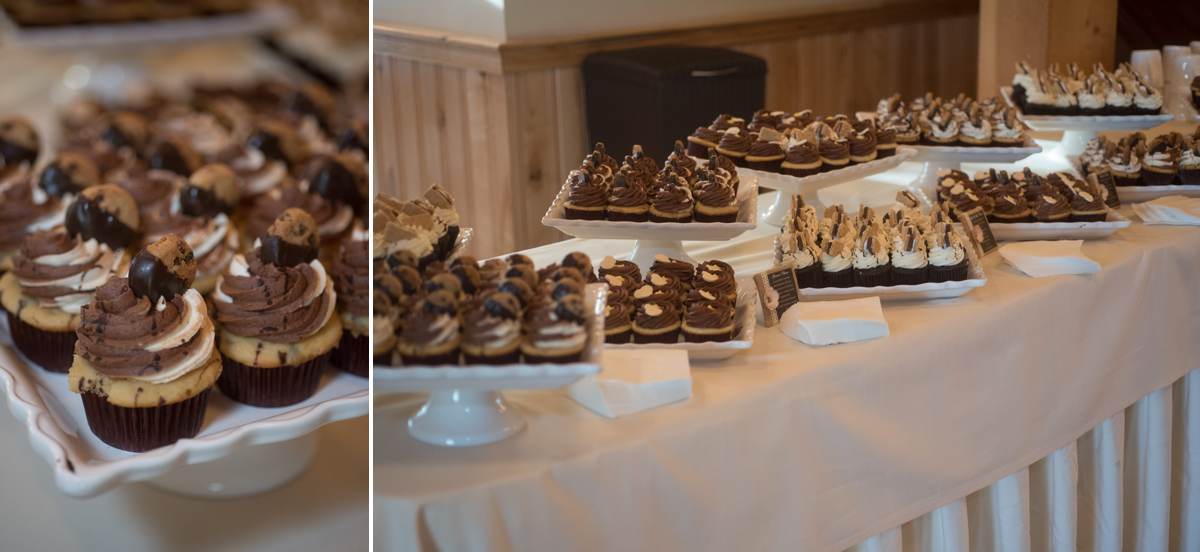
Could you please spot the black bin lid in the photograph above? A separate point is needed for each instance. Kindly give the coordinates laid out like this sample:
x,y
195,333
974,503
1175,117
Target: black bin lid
x,y
659,63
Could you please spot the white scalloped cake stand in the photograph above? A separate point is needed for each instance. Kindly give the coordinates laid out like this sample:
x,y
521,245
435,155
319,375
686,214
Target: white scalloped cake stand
x,y
465,407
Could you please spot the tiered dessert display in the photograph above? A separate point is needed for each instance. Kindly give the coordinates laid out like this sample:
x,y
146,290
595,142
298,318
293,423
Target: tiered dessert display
x,y
1082,104
799,153
464,331
702,309
902,253
1146,169
244,208
687,199
1027,206
947,133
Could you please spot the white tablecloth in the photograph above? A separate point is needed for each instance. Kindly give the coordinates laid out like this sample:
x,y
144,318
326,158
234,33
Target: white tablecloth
x,y
788,446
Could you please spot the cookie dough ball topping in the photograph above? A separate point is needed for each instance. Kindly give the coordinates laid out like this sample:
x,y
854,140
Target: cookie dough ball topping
x,y
107,214
170,154
276,141
164,269
126,129
210,191
18,141
68,174
291,239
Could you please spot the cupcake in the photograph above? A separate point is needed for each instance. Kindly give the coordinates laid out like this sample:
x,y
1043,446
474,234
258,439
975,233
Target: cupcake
x,y
1051,207
275,307
947,256
627,200
610,266
145,357
940,129
444,215
1160,164
671,203
910,258
836,258
799,248
172,155
681,162
1087,205
735,144
708,321
492,330
56,272
1007,129
976,130
715,202
766,153
19,144
351,281
1126,167
863,145
682,271
201,215
885,141
431,331
334,218
802,158
701,140
718,280
261,164
1010,207
1189,163
587,198
385,317
656,322
1146,100
871,260
29,204
1091,97
833,149
618,326
555,331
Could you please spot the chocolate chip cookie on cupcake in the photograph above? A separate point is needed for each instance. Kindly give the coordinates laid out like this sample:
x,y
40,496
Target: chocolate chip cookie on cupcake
x,y
145,359
275,306
56,272
326,195
492,330
201,214
555,331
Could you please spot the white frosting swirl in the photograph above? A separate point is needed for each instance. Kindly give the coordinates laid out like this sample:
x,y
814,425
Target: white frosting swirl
x,y
105,262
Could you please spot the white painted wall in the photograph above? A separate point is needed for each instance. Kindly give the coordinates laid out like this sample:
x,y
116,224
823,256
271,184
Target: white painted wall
x,y
503,20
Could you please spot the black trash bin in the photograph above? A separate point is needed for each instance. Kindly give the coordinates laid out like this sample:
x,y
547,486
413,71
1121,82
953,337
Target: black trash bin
x,y
654,96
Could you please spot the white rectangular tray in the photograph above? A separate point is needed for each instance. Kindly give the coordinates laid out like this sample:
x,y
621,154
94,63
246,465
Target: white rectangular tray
x,y
1094,123
1022,231
909,292
505,376
85,466
747,303
747,219
800,184
1134,194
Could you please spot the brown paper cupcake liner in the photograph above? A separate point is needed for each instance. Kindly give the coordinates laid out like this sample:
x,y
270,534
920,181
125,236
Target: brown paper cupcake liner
x,y
872,277
430,360
562,359
628,217
583,214
948,273
840,279
619,337
809,276
271,387
727,217
669,337
707,338
506,358
53,351
353,355
142,429
909,276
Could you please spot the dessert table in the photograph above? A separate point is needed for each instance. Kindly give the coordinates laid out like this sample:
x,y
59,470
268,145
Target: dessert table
x,y
805,448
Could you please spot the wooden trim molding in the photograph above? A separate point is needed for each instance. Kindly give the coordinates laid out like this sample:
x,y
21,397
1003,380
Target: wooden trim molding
x,y
569,51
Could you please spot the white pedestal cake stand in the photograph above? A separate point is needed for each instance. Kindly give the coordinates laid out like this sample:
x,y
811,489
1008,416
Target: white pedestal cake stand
x,y
806,187
465,407
654,238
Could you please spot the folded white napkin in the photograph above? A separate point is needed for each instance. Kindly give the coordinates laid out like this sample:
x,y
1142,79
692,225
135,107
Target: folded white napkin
x,y
1176,210
634,380
831,322
1048,258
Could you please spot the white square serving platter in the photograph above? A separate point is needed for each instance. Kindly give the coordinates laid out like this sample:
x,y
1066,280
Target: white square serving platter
x,y
747,303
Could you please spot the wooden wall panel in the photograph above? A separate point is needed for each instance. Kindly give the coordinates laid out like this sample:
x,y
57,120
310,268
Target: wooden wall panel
x,y
503,142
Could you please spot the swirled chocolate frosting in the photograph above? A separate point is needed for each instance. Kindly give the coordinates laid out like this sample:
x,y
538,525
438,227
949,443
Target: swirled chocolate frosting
x,y
126,336
272,303
673,199
586,190
709,314
63,271
332,219
20,210
716,195
351,278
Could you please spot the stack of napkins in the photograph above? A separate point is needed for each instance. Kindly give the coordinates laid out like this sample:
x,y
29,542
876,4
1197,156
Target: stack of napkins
x,y
1177,210
831,322
1048,258
634,380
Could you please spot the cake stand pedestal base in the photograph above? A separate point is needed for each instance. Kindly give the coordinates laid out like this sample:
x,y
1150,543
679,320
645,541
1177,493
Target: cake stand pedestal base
x,y
644,252
247,471
464,418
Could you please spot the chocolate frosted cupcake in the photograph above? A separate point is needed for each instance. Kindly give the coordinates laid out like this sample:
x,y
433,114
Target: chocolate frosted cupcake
x,y
680,270
715,202
275,306
627,200
626,269
1051,207
947,255
351,281
56,272
803,158
334,218
587,197
656,322
1087,205
1160,164
701,140
1010,207
708,321
834,150
767,152
262,162
492,330
910,257
431,331
31,204
386,313
201,216
863,143
555,331
145,358
618,324
717,279
735,144
885,141
671,204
